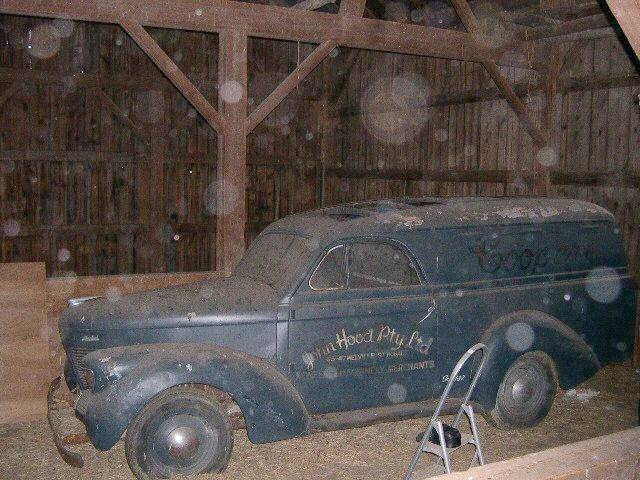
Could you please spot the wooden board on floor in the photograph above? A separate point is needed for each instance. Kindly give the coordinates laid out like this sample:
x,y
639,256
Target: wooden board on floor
x,y
613,456
24,353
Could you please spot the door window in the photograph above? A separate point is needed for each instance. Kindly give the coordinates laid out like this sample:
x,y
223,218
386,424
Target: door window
x,y
330,274
375,265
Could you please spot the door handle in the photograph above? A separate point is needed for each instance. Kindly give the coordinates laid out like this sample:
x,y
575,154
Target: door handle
x,y
430,310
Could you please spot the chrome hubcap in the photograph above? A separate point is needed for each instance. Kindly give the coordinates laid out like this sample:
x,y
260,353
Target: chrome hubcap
x,y
522,390
183,443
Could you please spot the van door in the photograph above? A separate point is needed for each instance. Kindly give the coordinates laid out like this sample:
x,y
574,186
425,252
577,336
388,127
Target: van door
x,y
363,330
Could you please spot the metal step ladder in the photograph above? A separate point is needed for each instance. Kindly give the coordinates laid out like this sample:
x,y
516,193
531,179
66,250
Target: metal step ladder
x,y
440,439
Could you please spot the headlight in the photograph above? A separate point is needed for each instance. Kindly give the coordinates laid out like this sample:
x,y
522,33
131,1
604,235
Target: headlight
x,y
89,378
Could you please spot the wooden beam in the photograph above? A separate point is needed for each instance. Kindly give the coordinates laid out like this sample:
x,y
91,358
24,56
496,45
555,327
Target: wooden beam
x,y
232,150
627,13
523,89
288,84
591,22
139,35
557,177
473,26
266,21
123,116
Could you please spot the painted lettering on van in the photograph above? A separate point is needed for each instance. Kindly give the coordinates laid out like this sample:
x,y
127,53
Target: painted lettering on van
x,y
492,259
384,334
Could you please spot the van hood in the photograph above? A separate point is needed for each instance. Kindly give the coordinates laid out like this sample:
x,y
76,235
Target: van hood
x,y
214,301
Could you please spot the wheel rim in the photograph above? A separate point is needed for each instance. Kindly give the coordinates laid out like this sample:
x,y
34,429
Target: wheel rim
x,y
526,390
182,444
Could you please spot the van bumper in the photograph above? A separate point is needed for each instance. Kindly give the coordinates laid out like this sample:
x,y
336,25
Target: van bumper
x,y
72,458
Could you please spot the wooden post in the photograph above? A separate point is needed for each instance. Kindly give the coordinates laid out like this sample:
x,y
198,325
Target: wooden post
x,y
232,149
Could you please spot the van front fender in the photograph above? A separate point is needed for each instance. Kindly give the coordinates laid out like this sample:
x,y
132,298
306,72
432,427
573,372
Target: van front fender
x,y
525,331
127,378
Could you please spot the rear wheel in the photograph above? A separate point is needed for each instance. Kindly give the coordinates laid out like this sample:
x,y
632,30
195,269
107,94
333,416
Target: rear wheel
x,y
182,431
526,393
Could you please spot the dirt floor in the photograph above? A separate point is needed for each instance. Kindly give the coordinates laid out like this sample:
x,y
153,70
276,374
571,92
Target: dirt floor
x,y
605,404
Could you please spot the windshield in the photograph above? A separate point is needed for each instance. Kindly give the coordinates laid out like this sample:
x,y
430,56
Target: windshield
x,y
276,259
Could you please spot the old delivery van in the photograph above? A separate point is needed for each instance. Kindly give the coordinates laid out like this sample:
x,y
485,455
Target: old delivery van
x,y
354,314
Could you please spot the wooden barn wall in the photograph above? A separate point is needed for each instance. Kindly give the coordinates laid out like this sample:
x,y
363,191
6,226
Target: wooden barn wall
x,y
414,126
105,169
103,163
284,151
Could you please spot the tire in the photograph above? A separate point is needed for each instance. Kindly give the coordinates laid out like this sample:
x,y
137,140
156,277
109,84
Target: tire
x,y
181,431
526,393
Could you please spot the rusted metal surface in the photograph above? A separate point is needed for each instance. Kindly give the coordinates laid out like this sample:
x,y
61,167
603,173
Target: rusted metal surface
x,y
72,458
75,439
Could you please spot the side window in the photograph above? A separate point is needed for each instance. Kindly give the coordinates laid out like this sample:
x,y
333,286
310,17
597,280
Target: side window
x,y
379,265
330,274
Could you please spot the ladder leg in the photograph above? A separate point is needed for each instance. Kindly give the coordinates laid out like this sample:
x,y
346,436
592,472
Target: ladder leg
x,y
416,457
474,431
443,447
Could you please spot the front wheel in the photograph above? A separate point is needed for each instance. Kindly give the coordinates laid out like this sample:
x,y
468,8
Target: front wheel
x,y
526,393
182,431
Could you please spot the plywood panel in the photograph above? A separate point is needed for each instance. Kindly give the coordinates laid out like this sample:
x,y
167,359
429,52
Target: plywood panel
x,y
24,353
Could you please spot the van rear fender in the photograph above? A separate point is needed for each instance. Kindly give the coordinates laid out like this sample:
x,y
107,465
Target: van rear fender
x,y
525,331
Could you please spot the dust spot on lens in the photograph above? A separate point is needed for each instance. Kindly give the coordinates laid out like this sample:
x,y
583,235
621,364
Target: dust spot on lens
x,y
547,156
43,41
231,91
603,285
330,373
63,255
11,228
394,109
520,337
397,393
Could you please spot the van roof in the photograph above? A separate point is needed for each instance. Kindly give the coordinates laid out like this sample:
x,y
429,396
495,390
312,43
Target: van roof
x,y
417,213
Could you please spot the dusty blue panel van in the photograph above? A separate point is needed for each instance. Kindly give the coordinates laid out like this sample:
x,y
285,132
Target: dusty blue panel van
x,y
351,315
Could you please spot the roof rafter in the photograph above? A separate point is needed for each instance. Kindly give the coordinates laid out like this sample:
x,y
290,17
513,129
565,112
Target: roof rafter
x,y
265,21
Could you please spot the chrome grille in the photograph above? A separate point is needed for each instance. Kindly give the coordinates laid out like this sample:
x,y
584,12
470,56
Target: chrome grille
x,y
75,356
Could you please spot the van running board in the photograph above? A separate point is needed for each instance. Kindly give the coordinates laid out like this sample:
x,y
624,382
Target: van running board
x,y
370,416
